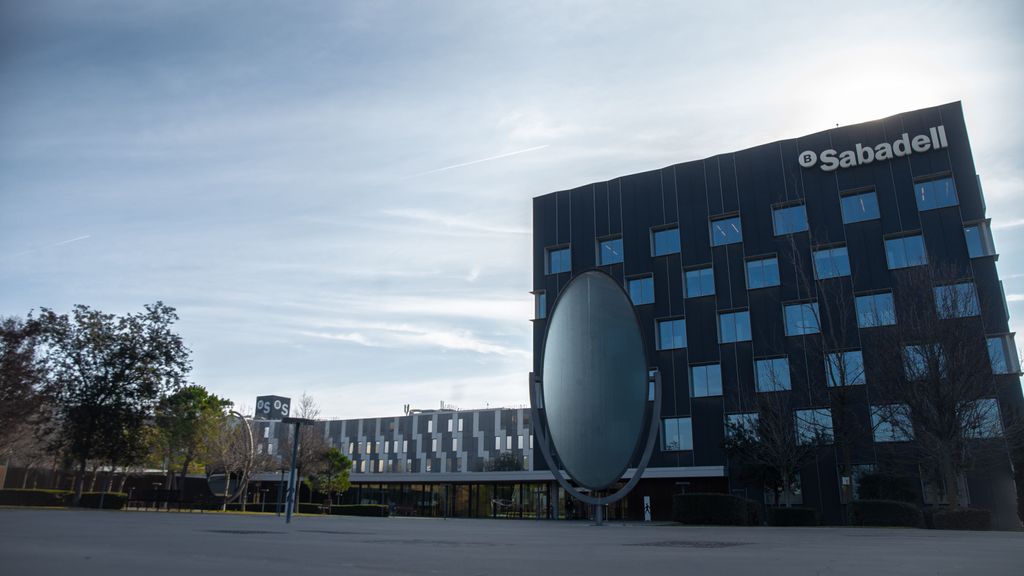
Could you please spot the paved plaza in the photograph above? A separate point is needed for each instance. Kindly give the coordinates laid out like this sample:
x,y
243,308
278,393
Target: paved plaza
x,y
69,542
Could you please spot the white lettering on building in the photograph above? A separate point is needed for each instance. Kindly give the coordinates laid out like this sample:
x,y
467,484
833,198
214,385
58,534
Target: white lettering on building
x,y
860,155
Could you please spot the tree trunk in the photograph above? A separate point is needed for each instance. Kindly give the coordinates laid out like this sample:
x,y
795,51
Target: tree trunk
x,y
785,490
949,476
183,475
124,478
95,473
24,478
79,483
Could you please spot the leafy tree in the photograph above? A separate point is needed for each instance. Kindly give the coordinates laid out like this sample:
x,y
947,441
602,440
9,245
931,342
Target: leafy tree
x,y
21,375
184,421
335,476
505,462
312,445
106,376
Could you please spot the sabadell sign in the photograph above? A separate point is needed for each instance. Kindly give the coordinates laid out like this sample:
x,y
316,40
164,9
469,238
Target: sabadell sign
x,y
902,146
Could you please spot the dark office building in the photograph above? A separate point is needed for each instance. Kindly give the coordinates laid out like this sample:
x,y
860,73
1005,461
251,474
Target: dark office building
x,y
729,262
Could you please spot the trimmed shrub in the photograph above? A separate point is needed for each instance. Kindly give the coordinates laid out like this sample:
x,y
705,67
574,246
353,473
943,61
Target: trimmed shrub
x,y
111,500
374,510
962,519
792,517
698,508
878,486
16,497
755,513
885,513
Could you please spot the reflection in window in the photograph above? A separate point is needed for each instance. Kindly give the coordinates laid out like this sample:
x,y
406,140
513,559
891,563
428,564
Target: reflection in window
x,y
706,380
831,263
1002,353
700,282
558,260
891,423
813,426
609,251
981,419
762,273
801,319
641,290
935,194
859,207
875,310
744,421
844,368
905,252
923,361
677,434
665,241
789,219
772,374
734,327
671,334
957,300
979,240
726,231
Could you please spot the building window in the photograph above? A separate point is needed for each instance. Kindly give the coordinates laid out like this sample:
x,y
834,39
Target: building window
x,y
455,444
519,442
844,368
497,442
677,434
875,310
831,263
762,273
859,207
433,444
362,465
905,252
609,251
801,318
726,231
772,374
981,419
430,426
1002,353
744,422
891,423
405,446
935,194
508,442
813,426
540,300
665,241
920,361
641,290
789,219
461,420
450,424
671,334
558,260
706,380
979,240
957,300
387,446
734,327
700,282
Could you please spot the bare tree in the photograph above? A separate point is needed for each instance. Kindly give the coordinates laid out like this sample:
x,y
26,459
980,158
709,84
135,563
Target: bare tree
x,y
228,451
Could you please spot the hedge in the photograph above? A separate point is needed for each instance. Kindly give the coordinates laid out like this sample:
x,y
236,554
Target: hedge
x,y
111,500
722,509
962,519
885,513
792,517
878,486
16,497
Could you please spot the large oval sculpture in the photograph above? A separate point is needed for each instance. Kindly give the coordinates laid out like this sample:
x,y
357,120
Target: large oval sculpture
x,y
594,380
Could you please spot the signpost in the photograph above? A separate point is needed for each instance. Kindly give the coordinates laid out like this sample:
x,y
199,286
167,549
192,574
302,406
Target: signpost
x,y
292,480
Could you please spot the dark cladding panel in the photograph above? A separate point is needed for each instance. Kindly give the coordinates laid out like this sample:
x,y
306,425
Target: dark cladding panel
x,y
669,198
602,215
712,177
584,240
691,198
708,422
727,174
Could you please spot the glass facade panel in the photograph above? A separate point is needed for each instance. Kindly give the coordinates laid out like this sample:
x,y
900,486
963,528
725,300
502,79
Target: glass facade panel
x,y
609,251
982,420
700,282
726,231
671,334
677,434
905,252
641,290
558,260
745,421
540,300
813,426
706,380
772,374
957,300
921,361
1002,353
875,310
789,219
979,240
891,423
734,327
801,319
665,241
844,368
831,263
859,207
935,194
762,273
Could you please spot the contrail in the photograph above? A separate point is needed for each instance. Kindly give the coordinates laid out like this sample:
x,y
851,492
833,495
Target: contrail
x,y
471,162
70,241
61,243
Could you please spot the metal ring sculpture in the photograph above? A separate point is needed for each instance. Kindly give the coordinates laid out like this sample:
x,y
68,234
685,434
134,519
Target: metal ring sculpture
x,y
246,467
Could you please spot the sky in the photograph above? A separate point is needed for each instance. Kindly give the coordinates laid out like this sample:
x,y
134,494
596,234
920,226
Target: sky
x,y
336,196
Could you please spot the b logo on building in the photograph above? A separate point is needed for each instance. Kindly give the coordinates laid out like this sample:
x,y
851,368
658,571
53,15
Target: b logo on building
x,y
860,155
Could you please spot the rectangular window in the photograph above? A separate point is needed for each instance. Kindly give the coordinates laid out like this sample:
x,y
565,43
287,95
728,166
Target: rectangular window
x,y
921,361
734,327
831,263
935,194
430,426
762,273
957,300
380,465
891,423
461,420
801,318
362,465
497,442
744,422
455,444
387,446
558,260
789,219
875,310
981,419
905,251
671,334
450,424
540,300
1002,353
700,282
677,434
433,444
665,241
405,446
726,231
408,465
706,380
979,240
609,251
772,374
814,426
859,207
508,442
844,368
519,442
641,290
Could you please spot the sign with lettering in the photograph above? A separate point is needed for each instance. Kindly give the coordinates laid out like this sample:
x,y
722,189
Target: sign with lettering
x,y
860,154
272,407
